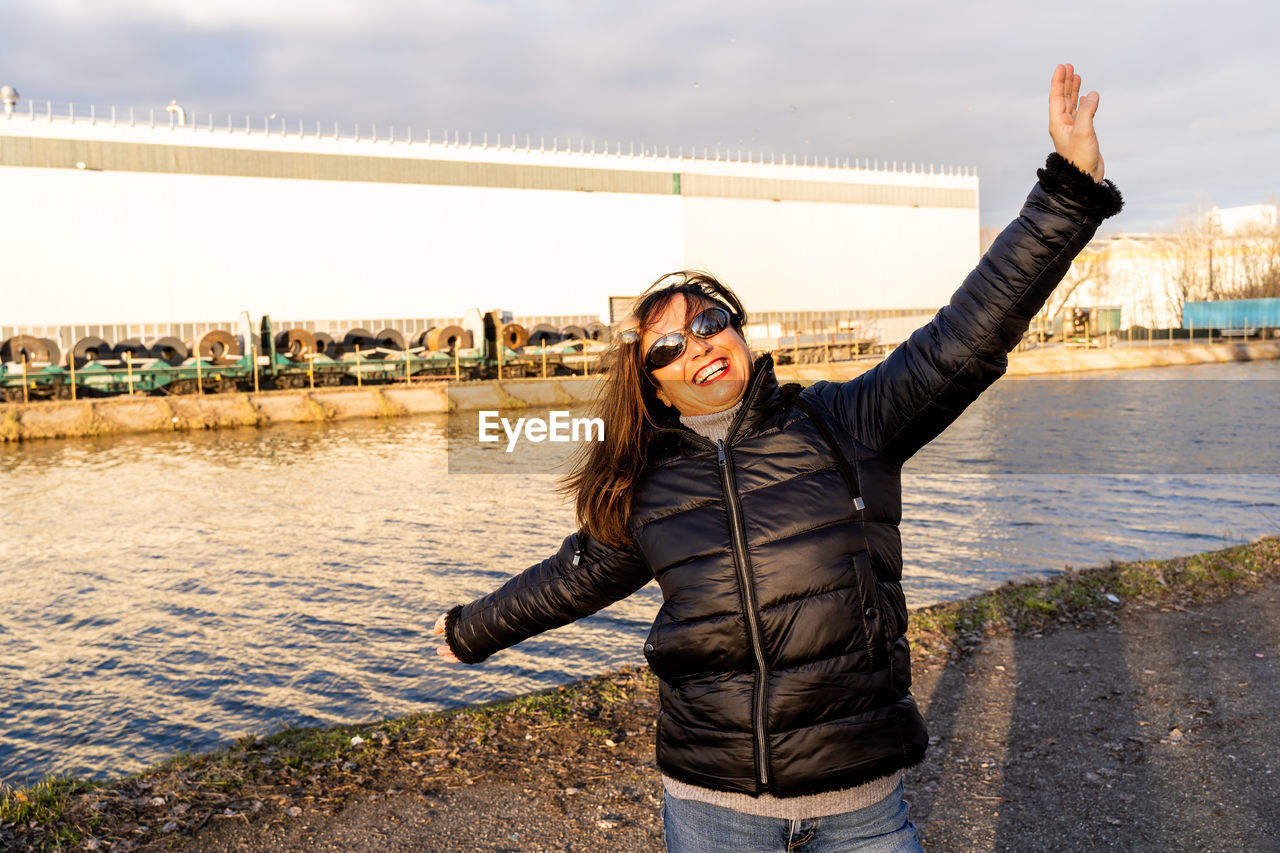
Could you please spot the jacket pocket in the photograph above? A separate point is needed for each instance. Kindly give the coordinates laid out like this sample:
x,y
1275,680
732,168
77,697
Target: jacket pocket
x,y
652,654
893,609
900,665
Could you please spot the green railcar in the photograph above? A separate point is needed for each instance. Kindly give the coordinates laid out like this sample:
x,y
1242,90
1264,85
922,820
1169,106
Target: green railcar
x,y
264,367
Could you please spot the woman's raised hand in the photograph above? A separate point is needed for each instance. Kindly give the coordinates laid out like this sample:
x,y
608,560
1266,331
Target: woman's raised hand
x,y
1071,122
443,651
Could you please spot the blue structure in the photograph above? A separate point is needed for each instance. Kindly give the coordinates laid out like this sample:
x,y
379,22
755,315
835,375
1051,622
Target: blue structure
x,y
1232,314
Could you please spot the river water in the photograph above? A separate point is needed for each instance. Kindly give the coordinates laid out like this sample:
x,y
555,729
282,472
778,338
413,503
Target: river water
x,y
171,592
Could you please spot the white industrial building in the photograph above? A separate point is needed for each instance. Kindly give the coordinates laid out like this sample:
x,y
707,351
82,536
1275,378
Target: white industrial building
x,y
112,217
1220,255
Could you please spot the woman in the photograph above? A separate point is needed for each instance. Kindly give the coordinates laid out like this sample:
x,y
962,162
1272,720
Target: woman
x,y
769,517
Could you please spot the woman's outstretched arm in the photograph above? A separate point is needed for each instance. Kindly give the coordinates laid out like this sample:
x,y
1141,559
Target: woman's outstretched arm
x,y
581,578
909,398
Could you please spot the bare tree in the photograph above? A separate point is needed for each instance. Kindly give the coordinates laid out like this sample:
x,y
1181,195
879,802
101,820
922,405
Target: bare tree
x,y
987,235
1189,262
1254,253
1153,276
1089,268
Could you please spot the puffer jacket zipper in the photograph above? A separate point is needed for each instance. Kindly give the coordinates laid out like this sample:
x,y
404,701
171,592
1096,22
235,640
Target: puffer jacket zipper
x,y
742,562
742,565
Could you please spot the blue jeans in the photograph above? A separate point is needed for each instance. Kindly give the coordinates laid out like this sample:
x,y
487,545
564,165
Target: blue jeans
x,y
693,827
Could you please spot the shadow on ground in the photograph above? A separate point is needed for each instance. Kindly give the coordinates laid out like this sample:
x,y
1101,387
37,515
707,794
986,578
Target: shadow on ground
x,y
1157,733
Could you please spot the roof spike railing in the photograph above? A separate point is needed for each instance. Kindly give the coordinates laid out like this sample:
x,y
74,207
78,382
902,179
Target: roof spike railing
x,y
585,148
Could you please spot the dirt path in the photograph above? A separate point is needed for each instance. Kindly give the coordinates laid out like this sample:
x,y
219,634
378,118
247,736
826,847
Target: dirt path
x,y
1156,734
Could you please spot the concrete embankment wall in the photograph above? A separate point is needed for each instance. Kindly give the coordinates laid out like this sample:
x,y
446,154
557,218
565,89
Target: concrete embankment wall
x,y
115,415
1031,363
1059,360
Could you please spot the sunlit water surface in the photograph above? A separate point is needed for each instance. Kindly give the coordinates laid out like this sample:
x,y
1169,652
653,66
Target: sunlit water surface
x,y
170,592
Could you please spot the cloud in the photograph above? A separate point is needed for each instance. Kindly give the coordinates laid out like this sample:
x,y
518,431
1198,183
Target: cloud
x,y
263,15
1186,110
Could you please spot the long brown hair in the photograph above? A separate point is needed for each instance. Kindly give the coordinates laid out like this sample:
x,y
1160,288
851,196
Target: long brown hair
x,y
603,478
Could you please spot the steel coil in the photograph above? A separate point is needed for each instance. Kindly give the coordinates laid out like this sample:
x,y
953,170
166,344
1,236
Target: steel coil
x,y
514,335
390,339
598,332
296,344
52,350
362,338
543,334
324,343
18,347
573,333
446,339
89,349
169,350
217,346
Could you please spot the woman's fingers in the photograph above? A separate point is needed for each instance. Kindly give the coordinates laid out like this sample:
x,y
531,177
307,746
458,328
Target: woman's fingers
x,y
1088,106
1058,93
1071,121
1064,89
443,651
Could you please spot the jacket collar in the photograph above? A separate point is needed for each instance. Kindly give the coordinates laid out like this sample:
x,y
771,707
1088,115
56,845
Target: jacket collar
x,y
760,401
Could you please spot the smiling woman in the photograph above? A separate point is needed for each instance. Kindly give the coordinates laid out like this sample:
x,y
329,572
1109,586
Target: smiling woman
x,y
713,372
769,517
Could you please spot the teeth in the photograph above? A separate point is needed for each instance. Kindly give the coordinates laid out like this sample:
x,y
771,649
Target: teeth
x,y
716,367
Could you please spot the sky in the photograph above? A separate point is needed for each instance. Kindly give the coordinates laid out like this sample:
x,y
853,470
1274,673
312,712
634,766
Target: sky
x,y
1189,116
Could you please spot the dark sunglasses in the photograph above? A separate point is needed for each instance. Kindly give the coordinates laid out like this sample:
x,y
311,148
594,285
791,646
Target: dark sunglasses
x,y
707,323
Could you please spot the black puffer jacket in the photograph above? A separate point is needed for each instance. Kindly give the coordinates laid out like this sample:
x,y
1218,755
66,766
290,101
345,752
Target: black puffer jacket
x,y
779,645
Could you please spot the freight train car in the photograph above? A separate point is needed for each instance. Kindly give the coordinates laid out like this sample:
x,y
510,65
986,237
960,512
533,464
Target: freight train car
x,y
486,346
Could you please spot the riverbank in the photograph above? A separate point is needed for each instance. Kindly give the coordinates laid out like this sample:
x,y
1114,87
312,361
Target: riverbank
x,y
1047,361
119,415
1123,706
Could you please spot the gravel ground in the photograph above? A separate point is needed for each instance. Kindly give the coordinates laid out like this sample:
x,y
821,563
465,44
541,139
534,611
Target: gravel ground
x,y
1157,732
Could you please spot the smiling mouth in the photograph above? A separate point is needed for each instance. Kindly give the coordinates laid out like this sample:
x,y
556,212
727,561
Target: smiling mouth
x,y
711,372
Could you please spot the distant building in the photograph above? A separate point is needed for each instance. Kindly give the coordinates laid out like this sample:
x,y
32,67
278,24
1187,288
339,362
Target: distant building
x,y
1231,253
1128,271
1231,221
113,217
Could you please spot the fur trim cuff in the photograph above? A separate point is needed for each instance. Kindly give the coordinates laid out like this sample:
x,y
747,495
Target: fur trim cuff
x,y
451,636
1061,177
